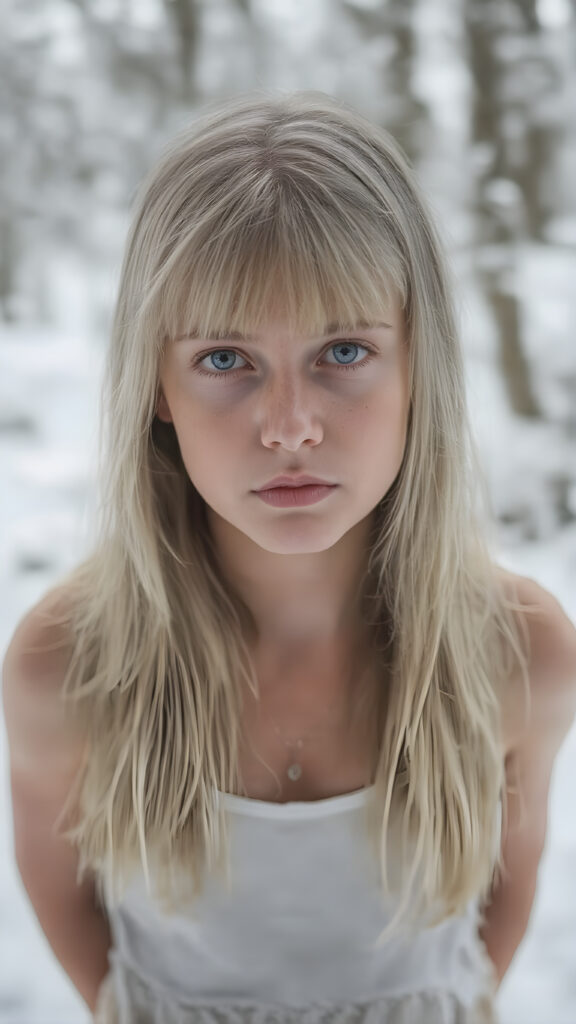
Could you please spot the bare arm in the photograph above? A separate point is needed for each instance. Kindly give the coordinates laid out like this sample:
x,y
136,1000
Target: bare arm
x,y
529,768
43,761
508,916
77,930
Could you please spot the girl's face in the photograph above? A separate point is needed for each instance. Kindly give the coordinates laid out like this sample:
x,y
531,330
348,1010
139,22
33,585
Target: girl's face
x,y
248,409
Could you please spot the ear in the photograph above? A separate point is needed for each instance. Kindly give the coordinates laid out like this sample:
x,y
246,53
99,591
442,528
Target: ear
x,y
162,409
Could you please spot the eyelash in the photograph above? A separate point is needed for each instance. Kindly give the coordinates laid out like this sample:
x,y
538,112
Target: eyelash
x,y
232,373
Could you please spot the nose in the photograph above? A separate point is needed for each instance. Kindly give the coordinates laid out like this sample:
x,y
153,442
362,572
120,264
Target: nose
x,y
290,415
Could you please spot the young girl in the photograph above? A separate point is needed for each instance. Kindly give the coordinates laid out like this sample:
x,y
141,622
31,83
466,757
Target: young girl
x,y
281,746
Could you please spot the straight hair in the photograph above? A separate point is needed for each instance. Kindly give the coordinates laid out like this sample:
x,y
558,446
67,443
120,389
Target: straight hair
x,y
298,197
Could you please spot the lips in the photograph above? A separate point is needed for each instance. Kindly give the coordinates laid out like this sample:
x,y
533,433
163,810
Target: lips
x,y
295,481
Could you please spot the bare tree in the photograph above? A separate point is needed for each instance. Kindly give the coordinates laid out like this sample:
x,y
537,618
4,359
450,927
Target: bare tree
x,y
403,113
515,141
183,15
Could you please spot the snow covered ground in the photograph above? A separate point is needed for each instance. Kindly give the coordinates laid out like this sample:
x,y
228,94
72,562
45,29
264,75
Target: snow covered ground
x,y
48,413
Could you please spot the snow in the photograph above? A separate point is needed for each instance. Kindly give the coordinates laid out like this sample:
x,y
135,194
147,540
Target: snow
x,y
49,378
49,382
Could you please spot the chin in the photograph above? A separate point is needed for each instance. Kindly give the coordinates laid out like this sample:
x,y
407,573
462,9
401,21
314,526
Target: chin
x,y
299,540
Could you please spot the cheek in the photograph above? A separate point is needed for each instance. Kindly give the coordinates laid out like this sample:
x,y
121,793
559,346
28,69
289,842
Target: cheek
x,y
385,411
395,400
206,444
385,421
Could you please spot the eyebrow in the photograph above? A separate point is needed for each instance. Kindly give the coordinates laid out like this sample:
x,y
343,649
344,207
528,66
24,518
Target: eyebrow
x,y
229,335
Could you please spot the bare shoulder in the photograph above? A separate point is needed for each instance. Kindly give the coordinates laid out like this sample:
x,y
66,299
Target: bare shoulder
x,y
40,647
552,656
33,671
552,633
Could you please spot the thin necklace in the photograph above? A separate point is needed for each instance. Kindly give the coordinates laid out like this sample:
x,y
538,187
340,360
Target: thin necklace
x,y
294,770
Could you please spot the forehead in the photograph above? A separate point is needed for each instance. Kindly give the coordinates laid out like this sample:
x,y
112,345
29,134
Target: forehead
x,y
279,326
238,294
307,315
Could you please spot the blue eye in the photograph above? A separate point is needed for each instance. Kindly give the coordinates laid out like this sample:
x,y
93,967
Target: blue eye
x,y
223,355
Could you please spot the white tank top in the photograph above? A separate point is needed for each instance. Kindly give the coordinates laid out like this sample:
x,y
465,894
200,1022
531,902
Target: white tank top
x,y
294,938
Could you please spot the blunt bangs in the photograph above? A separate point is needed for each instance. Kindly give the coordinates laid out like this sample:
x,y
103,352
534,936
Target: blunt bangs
x,y
313,257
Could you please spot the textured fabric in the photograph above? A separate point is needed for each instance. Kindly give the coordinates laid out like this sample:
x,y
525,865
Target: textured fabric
x,y
292,938
412,1008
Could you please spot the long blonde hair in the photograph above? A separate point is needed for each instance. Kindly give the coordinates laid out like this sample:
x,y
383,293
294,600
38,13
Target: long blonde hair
x,y
302,195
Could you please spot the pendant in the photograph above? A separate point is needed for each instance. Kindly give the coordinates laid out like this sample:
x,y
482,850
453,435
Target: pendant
x,y
294,772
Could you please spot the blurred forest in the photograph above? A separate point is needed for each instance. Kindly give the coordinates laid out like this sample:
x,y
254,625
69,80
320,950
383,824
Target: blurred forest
x,y
481,95
477,91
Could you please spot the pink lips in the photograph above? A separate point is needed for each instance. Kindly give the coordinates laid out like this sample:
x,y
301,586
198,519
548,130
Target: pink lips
x,y
294,497
294,481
